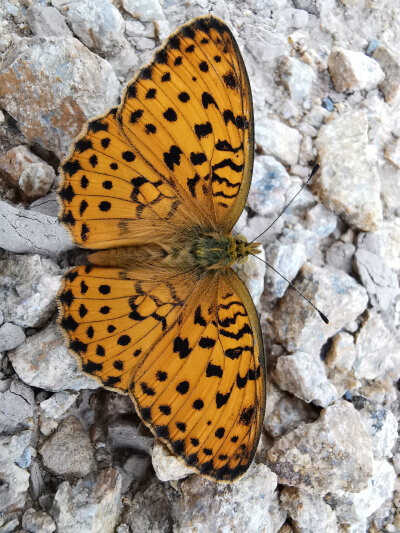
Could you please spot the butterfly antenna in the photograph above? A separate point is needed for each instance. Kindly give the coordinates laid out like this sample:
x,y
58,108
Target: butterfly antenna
x,y
321,314
313,172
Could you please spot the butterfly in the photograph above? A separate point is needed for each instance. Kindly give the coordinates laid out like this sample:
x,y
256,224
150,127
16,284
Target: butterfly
x,y
155,186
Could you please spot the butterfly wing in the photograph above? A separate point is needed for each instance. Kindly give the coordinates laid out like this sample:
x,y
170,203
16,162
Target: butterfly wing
x,y
188,351
178,149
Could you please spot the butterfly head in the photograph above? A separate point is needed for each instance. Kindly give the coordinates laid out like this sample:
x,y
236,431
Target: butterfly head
x,y
243,248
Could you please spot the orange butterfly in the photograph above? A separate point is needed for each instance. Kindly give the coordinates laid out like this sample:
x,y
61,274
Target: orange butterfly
x,y
157,185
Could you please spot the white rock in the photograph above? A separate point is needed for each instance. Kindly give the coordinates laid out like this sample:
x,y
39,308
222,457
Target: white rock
x,y
23,231
381,425
44,361
33,520
28,289
390,64
298,78
167,467
145,10
252,273
353,70
333,453
278,140
304,375
88,505
46,20
299,327
15,480
56,405
339,362
207,506
269,183
308,512
343,152
377,355
385,242
357,506
97,23
392,152
11,336
36,180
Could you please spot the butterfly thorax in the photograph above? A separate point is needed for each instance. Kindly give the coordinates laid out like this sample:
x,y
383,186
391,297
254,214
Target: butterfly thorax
x,y
198,252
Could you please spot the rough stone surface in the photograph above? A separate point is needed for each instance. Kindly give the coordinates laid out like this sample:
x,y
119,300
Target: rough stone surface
x,y
379,280
343,153
68,452
44,361
392,152
125,434
16,405
46,20
299,327
23,231
97,23
339,362
298,78
88,505
205,505
278,140
57,404
390,65
15,480
359,505
353,70
334,453
308,512
269,183
11,336
38,521
166,466
51,85
29,285
304,375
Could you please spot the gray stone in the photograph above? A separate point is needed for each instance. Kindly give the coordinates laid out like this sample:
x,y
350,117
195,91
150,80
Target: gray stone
x,y
385,242
126,434
14,480
37,521
381,425
17,403
269,183
48,205
91,504
392,153
145,10
135,470
46,20
343,153
11,336
98,23
340,255
390,65
303,374
334,453
29,285
298,326
44,361
56,405
298,78
278,140
23,231
68,452
252,273
379,280
167,466
283,412
150,510
27,172
207,506
339,362
355,506
51,86
377,354
309,513
353,70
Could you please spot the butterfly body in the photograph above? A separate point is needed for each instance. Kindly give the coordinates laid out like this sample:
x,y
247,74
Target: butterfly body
x,y
155,187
